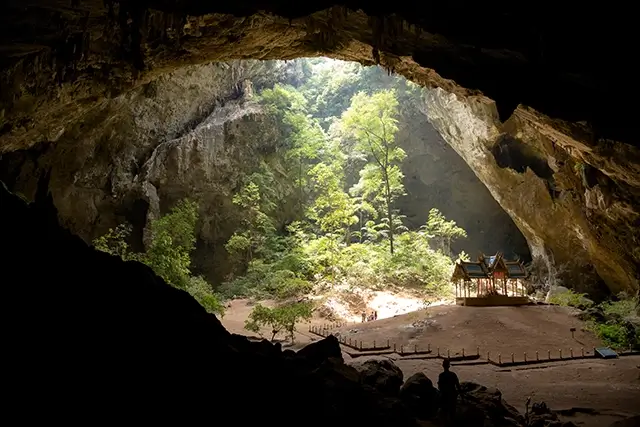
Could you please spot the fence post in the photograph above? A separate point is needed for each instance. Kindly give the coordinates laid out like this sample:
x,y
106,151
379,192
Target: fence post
x,y
402,350
571,352
549,354
560,353
525,357
582,351
394,347
387,343
499,358
462,351
360,345
512,359
537,357
374,344
478,350
438,351
448,356
489,358
415,348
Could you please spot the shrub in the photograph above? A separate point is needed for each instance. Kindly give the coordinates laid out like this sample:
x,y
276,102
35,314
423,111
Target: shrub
x,y
202,291
570,298
279,319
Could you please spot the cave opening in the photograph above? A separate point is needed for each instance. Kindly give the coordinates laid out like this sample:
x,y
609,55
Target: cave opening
x,y
95,324
207,132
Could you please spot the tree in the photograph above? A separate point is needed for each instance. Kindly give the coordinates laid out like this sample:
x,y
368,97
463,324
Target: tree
x,y
169,253
437,227
256,225
279,319
115,242
173,238
371,121
202,291
333,209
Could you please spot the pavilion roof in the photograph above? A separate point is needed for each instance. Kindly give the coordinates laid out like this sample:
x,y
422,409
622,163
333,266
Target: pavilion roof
x,y
475,270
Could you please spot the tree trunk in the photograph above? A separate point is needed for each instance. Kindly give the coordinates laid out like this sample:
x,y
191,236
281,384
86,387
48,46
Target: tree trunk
x,y
389,214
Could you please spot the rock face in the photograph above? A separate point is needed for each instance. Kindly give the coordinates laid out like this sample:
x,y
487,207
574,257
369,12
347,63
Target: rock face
x,y
193,133
62,61
547,184
436,176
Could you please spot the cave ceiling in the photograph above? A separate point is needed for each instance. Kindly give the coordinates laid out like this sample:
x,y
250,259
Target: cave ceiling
x,y
59,57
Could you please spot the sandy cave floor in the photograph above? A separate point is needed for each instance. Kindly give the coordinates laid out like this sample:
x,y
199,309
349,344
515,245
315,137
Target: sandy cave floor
x,y
609,389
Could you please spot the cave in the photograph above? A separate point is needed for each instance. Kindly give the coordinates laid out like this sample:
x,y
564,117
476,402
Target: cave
x,y
90,335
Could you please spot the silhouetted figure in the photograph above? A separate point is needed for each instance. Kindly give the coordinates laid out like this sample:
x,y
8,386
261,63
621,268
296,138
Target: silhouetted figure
x,y
364,317
375,315
449,387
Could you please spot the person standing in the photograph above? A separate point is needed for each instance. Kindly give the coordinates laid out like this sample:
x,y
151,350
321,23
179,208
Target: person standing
x,y
449,387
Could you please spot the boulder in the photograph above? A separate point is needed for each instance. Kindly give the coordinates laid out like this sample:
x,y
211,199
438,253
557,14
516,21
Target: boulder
x,y
541,415
488,400
420,396
319,351
381,374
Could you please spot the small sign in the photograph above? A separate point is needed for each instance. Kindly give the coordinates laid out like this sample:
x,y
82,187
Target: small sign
x,y
606,353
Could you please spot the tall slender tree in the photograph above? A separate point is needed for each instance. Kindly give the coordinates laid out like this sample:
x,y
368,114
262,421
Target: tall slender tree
x,y
371,121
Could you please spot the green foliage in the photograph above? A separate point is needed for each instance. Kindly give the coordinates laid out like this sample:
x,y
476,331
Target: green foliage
x,y
371,121
281,319
570,298
613,334
201,290
621,326
172,241
257,226
342,117
115,242
616,323
442,231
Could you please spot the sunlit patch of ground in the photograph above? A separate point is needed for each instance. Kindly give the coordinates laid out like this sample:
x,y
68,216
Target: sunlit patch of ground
x,y
347,302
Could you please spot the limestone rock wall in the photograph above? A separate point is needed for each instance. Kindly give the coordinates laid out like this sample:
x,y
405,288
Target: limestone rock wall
x,y
574,208
194,133
437,176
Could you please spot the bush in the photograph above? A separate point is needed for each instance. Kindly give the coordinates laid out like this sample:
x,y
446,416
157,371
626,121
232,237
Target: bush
x,y
612,334
279,319
621,328
570,298
202,291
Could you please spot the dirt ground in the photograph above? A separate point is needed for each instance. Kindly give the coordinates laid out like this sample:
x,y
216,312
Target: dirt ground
x,y
497,330
603,391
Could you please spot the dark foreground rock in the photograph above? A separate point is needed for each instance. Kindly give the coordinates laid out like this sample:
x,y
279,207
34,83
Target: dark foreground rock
x,y
484,406
381,374
89,338
420,396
